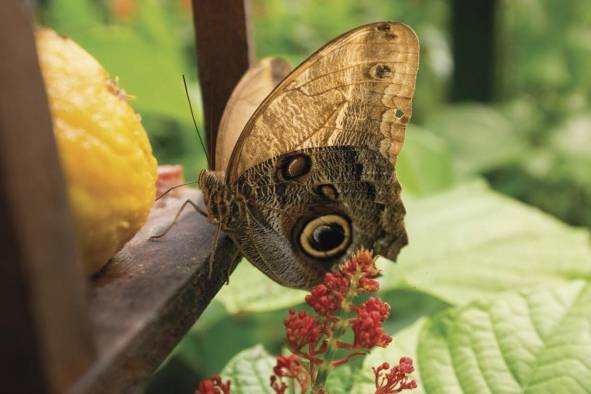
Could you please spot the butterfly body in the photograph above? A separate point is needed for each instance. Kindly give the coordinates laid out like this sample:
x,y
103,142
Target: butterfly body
x,y
311,177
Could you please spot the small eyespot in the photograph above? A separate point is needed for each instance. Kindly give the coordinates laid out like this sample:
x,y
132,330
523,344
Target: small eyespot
x,y
380,71
387,30
326,236
327,191
294,166
399,113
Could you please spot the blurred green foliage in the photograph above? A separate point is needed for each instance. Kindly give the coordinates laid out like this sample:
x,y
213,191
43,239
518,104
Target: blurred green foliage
x,y
533,142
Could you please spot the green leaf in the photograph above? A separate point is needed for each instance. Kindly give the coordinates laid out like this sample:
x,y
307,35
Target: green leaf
x,y
572,143
250,371
471,242
339,380
535,342
424,165
480,138
251,291
219,336
408,306
69,17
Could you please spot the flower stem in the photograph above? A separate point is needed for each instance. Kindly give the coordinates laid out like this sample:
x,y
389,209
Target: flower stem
x,y
326,365
339,330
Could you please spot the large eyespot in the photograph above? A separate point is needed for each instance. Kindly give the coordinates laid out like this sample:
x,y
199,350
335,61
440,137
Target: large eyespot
x,y
326,236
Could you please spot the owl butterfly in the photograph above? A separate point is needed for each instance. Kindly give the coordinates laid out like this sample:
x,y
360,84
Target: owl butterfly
x,y
304,175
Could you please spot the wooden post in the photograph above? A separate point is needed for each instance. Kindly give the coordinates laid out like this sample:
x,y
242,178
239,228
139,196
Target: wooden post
x,y
224,53
473,32
45,333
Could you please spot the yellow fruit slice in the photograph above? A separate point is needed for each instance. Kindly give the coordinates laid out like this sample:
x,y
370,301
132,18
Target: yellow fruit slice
x,y
104,150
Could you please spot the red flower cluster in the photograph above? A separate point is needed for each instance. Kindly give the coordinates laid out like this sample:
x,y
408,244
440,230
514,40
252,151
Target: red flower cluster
x,y
213,385
355,276
316,340
289,367
395,380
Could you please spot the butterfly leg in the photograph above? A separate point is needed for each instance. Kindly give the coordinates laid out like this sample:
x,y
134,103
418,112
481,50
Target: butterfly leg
x,y
178,214
212,250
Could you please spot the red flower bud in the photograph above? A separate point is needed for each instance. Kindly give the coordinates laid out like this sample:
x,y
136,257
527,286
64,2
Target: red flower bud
x,y
362,267
291,368
327,297
395,380
367,326
213,385
301,329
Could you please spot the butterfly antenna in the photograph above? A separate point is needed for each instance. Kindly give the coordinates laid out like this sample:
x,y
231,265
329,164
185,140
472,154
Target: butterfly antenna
x,y
194,121
175,187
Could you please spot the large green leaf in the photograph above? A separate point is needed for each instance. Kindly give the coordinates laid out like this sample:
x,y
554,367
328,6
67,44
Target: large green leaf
x,y
472,242
572,143
480,138
340,380
250,371
424,165
536,342
251,291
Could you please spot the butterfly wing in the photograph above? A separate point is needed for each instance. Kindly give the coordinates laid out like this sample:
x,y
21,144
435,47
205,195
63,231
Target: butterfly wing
x,y
248,94
314,166
357,90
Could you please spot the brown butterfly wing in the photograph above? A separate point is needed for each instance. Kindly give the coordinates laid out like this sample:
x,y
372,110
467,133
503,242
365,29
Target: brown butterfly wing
x,y
357,90
352,189
313,170
249,93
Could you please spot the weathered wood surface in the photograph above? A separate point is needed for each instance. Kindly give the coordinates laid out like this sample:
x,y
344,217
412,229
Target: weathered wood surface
x,y
224,53
150,294
45,335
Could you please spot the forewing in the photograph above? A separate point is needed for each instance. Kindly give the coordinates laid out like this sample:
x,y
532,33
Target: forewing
x,y
357,90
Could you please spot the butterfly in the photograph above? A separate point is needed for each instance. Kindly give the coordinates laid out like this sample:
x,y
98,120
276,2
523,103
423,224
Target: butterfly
x,y
305,175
